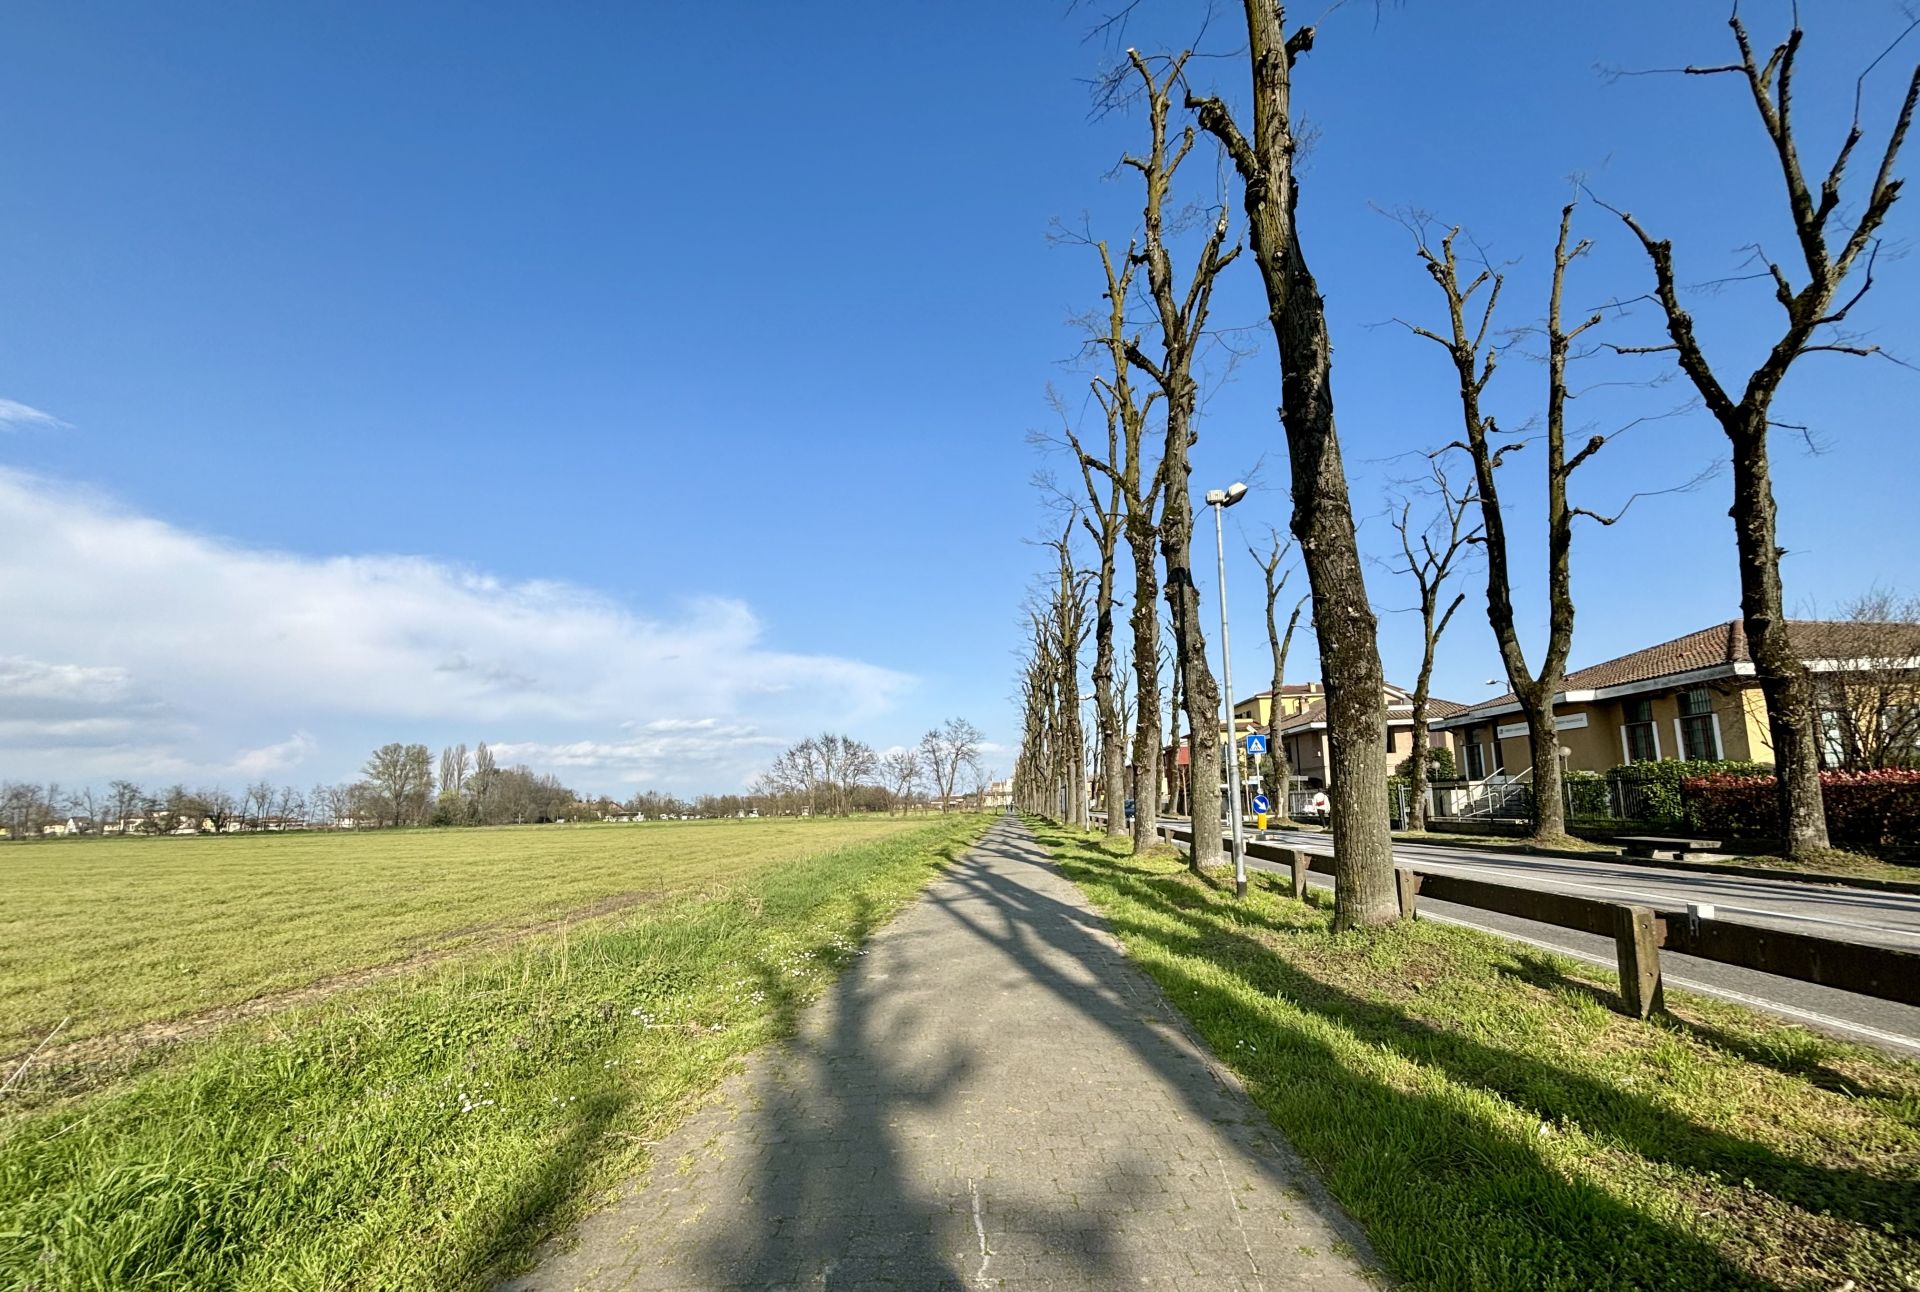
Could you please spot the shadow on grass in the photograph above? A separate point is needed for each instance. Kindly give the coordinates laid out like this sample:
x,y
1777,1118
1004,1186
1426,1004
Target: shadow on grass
x,y
1452,1198
1798,1055
1342,1116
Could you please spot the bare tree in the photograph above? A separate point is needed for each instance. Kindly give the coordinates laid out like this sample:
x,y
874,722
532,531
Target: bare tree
x,y
1274,771
1813,311
402,777
454,763
1105,526
948,749
482,784
124,798
1474,360
1431,549
258,804
1068,625
900,770
1870,708
1181,313
1364,891
1137,487
849,764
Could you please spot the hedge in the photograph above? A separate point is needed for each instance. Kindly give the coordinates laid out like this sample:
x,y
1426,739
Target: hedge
x,y
1867,809
1650,791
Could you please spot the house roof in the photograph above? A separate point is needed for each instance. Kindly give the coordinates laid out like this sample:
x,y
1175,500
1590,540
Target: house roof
x,y
1722,651
1315,714
1288,688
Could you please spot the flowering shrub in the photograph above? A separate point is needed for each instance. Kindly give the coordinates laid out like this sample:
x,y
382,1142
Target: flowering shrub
x,y
1650,791
1871,809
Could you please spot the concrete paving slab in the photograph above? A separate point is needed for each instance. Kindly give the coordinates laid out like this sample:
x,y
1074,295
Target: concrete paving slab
x,y
992,1097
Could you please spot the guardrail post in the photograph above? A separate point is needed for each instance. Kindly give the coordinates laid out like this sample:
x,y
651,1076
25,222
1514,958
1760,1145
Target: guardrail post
x,y
1409,885
1297,861
1636,940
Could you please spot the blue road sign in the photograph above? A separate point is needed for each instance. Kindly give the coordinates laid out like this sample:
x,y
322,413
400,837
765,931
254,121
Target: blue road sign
x,y
1261,805
1256,744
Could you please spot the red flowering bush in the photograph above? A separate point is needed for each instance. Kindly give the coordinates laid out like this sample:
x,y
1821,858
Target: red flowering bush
x,y
1869,809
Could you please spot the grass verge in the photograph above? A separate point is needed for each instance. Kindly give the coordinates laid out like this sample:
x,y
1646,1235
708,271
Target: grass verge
x,y
1490,1120
1838,863
426,1134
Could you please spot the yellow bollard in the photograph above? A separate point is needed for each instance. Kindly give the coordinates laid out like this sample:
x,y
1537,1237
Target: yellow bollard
x,y
1260,821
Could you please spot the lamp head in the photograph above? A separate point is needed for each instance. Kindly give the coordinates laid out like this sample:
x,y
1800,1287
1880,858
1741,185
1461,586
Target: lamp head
x,y
1216,497
1235,492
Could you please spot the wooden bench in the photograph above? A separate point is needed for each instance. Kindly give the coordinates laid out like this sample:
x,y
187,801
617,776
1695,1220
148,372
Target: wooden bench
x,y
1652,847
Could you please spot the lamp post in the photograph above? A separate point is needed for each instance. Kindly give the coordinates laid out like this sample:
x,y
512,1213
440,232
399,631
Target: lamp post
x,y
1220,500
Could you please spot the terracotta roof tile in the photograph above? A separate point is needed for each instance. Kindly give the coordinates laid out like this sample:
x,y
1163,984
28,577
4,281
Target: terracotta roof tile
x,y
1316,713
1724,645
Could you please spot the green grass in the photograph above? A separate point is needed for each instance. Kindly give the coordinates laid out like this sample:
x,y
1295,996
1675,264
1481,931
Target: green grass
x,y
1838,863
194,925
426,1132
1491,1121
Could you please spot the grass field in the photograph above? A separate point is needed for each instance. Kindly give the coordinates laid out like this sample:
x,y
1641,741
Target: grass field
x,y
421,1131
121,934
1492,1122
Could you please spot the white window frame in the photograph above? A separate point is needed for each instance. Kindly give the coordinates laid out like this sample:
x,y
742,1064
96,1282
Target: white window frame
x,y
1680,736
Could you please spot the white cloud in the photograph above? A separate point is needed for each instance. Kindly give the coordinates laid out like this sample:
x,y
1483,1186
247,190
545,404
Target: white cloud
x,y
278,757
15,415
25,678
696,751
196,647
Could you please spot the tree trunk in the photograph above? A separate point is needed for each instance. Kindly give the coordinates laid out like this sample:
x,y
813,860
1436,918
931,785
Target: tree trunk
x,y
1147,750
1201,692
1276,771
1417,768
1549,797
1792,711
1113,772
1364,889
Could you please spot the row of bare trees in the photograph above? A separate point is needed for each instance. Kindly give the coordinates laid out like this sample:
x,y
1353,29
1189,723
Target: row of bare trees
x,y
1154,494
837,775
1147,379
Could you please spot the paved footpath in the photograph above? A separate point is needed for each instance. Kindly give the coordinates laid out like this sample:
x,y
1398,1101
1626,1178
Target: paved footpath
x,y
992,1097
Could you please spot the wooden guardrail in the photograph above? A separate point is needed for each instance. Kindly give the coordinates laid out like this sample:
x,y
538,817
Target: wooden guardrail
x,y
1638,932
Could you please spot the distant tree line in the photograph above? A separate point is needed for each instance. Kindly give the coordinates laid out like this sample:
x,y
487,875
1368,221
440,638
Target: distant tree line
x,y
404,785
836,775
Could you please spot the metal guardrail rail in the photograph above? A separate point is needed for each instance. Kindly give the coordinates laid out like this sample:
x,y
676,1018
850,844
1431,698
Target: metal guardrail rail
x,y
1639,932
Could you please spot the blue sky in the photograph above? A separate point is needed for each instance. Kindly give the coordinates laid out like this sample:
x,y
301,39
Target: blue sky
x,y
642,386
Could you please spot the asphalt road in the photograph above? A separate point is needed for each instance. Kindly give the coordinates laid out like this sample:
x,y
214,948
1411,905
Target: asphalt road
x,y
1823,910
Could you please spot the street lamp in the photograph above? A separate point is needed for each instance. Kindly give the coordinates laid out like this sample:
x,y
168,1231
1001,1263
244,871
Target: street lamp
x,y
1220,500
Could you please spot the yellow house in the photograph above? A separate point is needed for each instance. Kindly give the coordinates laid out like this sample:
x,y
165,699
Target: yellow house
x,y
1695,697
1253,713
1303,726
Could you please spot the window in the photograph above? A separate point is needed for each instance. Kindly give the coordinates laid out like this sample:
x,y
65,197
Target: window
x,y
1476,764
1833,742
1390,748
1643,746
1697,736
